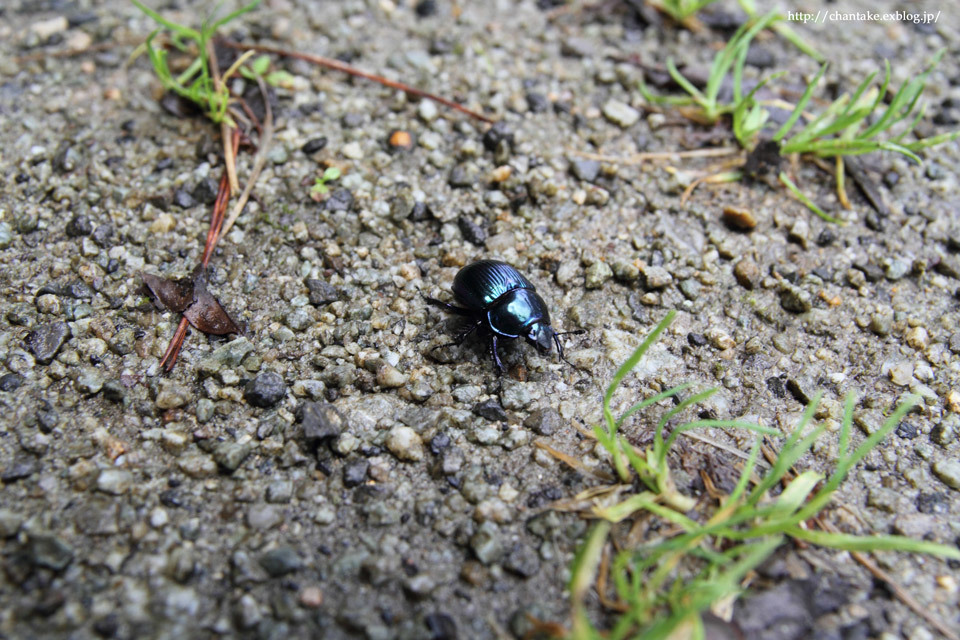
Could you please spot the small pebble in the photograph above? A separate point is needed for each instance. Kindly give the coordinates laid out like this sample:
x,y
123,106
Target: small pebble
x,y
740,219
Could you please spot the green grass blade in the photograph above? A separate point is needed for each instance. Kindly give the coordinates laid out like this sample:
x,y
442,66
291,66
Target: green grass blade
x,y
685,84
627,507
849,542
807,201
801,105
718,424
932,142
232,16
629,365
792,449
692,400
185,32
651,400
845,426
747,470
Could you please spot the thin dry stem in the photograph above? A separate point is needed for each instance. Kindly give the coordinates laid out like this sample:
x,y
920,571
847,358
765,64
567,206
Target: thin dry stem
x,y
261,159
638,158
330,63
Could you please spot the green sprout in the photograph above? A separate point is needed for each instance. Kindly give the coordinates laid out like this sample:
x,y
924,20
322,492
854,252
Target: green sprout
x,y
329,175
195,83
260,68
841,129
732,57
680,10
667,583
854,124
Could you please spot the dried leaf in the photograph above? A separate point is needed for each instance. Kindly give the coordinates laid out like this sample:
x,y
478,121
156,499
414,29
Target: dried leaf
x,y
206,314
175,295
190,297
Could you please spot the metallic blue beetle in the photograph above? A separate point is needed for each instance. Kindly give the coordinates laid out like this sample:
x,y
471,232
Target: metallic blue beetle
x,y
500,302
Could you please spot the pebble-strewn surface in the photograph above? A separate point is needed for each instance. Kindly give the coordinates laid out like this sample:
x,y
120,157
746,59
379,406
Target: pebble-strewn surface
x,y
330,473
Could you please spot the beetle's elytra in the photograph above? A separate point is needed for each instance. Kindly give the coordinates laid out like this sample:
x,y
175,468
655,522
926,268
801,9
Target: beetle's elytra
x,y
500,302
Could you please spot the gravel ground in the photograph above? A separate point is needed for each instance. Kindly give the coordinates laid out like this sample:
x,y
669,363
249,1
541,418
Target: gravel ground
x,y
329,474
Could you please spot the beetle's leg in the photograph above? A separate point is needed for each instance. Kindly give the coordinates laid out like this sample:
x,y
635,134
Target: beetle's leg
x,y
496,356
556,341
446,306
461,336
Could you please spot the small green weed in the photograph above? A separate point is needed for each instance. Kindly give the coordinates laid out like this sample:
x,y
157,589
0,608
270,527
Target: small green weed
x,y
320,186
666,584
732,57
680,10
195,83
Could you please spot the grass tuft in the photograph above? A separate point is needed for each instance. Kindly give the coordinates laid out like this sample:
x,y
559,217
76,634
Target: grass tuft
x,y
195,83
707,550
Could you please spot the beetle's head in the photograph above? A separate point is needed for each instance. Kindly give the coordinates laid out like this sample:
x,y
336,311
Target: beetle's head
x,y
541,336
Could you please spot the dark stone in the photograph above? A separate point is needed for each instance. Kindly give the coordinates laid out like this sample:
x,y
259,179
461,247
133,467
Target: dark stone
x,y
823,273
81,17
47,419
871,272
934,503
464,175
438,443
321,421
760,57
171,498
586,170
425,8
907,431
114,391
499,132
19,468
314,145
355,473
183,199
490,410
266,390
696,339
102,234
537,102
472,232
11,382
523,561
107,626
339,200
543,496
826,237
46,550
776,387
79,290
440,626
45,341
205,191
352,120
420,212
891,178
798,392
281,561
78,226
321,292
546,422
